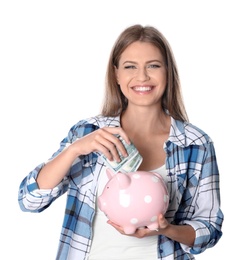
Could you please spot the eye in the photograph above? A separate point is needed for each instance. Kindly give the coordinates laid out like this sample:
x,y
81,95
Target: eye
x,y
130,67
154,66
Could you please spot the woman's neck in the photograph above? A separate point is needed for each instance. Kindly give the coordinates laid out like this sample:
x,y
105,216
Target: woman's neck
x,y
146,121
148,129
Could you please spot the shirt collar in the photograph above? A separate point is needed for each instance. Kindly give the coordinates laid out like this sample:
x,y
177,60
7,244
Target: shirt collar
x,y
177,133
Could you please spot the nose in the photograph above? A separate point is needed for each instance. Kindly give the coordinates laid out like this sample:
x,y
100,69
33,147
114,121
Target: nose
x,y
143,74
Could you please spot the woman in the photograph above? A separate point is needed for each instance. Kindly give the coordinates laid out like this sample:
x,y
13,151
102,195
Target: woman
x,y
143,105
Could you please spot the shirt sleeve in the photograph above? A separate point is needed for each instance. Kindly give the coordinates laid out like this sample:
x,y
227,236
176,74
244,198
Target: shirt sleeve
x,y
33,199
208,217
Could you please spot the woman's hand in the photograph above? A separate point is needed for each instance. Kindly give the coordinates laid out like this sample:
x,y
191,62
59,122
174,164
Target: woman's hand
x,y
144,232
103,140
184,234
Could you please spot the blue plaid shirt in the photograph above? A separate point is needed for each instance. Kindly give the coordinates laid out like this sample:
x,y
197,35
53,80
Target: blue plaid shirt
x,y
192,180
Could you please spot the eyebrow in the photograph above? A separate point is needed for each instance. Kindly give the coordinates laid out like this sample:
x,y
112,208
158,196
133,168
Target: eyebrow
x,y
134,62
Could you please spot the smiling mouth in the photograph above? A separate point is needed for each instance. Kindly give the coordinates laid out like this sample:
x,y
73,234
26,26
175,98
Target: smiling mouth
x,y
142,88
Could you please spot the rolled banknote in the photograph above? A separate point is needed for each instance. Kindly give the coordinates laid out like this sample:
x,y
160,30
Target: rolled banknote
x,y
127,164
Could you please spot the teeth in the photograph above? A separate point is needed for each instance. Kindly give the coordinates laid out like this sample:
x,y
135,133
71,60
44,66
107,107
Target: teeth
x,y
142,88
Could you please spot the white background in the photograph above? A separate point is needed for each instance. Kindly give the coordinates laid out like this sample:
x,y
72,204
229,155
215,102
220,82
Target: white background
x,y
53,56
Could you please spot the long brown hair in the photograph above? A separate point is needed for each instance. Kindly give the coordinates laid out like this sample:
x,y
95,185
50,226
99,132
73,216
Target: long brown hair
x,y
115,102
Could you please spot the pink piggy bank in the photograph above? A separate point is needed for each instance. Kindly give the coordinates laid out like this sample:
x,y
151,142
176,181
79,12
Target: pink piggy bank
x,y
134,200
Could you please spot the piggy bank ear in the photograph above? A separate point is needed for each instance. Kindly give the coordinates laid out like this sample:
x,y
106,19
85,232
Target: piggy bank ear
x,y
123,180
109,173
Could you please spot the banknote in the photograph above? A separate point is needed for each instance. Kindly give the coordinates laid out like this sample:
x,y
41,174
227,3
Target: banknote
x,y
126,164
132,164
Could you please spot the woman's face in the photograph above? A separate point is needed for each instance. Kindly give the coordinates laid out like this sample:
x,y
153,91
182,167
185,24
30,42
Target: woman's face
x,y
141,74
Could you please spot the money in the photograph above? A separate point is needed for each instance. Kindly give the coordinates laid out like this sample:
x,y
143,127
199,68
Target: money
x,y
132,164
126,164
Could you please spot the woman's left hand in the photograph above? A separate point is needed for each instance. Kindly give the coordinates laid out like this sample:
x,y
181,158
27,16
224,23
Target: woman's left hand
x,y
144,232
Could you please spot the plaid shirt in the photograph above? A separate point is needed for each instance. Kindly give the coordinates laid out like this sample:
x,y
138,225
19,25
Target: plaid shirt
x,y
192,181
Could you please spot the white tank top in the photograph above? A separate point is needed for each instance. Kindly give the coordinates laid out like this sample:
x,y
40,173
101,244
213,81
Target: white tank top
x,y
109,244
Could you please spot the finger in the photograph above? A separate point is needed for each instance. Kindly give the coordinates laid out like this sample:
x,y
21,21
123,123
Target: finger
x,y
105,151
162,221
118,131
112,142
117,227
107,147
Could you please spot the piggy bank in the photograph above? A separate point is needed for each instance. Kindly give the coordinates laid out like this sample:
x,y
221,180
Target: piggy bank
x,y
134,200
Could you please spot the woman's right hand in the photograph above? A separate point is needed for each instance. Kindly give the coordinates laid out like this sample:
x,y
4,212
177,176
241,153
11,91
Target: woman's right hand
x,y
104,140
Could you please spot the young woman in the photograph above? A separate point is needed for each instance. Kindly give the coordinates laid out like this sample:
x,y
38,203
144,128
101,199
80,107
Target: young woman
x,y
143,105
